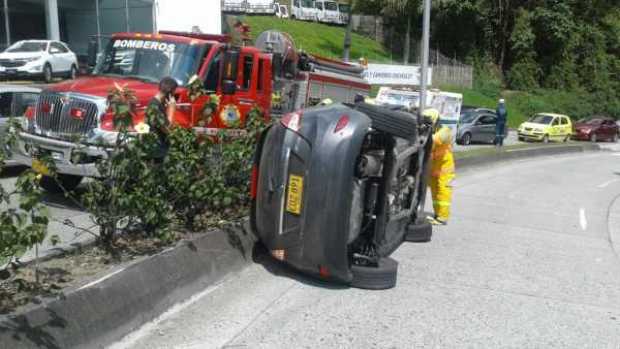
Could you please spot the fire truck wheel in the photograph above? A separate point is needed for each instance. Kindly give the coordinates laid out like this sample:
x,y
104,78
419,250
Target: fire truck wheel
x,y
61,183
380,277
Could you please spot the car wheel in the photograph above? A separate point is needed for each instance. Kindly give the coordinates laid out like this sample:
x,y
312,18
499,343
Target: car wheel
x,y
521,139
73,72
381,277
420,231
61,183
48,74
545,139
593,138
466,139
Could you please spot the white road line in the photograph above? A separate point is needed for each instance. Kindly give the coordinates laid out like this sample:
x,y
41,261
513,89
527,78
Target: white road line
x,y
132,338
582,219
603,185
101,279
616,154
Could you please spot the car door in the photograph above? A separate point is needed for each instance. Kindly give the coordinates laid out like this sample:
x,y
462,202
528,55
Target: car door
x,y
565,128
6,100
555,130
59,59
490,122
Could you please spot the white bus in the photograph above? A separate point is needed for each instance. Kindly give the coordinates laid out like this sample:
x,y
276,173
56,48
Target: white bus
x,y
260,7
327,11
303,10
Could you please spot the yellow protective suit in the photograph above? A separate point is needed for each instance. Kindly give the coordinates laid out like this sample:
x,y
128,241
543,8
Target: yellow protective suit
x,y
442,173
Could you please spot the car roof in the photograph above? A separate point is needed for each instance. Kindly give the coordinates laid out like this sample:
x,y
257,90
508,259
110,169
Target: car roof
x,y
554,115
18,88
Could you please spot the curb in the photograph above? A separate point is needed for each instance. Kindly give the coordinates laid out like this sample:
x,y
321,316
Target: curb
x,y
513,154
103,311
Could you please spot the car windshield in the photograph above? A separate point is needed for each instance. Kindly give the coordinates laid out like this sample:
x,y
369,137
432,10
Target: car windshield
x,y
28,46
541,119
594,122
307,3
151,60
468,118
331,6
344,8
399,99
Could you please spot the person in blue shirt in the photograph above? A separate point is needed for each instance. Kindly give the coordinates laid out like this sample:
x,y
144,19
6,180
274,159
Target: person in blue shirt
x,y
500,126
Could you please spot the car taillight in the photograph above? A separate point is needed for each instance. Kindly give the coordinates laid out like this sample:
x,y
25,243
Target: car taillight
x,y
254,182
29,113
342,123
46,107
107,122
292,121
77,113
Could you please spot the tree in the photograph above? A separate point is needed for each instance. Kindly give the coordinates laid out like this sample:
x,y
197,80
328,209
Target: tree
x,y
407,8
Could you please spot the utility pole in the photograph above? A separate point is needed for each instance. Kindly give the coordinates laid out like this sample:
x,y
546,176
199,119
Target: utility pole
x,y
7,26
426,28
127,15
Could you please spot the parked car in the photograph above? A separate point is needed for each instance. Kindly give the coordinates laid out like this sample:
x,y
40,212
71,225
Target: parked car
x,y
546,127
597,129
468,108
327,11
477,126
303,10
14,100
38,58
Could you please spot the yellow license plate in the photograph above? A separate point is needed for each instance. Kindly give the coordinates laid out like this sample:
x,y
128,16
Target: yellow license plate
x,y
40,167
295,194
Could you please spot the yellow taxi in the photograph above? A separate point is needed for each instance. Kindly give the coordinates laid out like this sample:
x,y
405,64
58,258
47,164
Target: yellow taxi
x,y
546,127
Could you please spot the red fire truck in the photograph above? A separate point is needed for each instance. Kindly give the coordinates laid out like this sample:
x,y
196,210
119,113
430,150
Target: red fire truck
x,y
271,75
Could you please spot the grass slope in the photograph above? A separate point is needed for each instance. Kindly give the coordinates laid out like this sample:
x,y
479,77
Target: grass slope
x,y
320,39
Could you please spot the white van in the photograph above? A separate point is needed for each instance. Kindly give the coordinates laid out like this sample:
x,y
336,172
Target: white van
x,y
344,10
260,7
327,11
303,10
281,11
234,6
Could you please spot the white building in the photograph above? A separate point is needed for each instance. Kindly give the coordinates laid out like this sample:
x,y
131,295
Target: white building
x,y
76,21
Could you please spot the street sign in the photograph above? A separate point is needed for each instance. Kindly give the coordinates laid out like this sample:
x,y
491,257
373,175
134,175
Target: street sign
x,y
393,74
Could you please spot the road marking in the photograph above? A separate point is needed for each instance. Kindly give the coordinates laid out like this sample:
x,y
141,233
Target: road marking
x,y
132,338
603,185
101,279
616,154
582,219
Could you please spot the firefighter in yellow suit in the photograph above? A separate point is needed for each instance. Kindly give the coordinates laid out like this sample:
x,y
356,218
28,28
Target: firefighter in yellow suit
x,y
442,171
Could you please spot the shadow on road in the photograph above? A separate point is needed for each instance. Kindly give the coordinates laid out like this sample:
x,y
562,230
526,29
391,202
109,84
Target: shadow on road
x,y
262,257
13,171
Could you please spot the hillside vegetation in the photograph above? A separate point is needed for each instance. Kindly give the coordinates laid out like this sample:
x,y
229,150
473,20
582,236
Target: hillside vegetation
x,y
320,39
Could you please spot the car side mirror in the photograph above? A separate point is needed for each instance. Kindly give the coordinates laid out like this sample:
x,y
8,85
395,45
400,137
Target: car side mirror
x,y
93,48
231,68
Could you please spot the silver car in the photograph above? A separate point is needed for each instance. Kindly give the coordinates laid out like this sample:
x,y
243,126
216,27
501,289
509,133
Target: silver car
x,y
477,127
14,100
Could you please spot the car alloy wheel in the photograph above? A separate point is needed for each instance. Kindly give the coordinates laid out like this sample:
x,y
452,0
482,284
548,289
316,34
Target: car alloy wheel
x,y
47,73
467,139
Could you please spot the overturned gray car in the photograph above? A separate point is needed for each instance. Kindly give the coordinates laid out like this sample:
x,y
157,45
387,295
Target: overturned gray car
x,y
337,189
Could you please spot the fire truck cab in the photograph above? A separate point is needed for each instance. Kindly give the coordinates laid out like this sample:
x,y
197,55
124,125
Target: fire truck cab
x,y
271,76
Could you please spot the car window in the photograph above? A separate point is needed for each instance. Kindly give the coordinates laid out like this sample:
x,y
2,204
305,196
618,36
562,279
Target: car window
x,y
213,74
556,122
6,99
28,46
541,119
21,102
564,121
247,72
319,5
58,47
487,120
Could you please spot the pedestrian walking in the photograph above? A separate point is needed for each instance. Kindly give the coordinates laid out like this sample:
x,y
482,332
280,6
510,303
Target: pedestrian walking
x,y
442,170
500,126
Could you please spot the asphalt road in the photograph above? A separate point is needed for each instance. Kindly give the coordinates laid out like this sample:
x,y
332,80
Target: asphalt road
x,y
527,261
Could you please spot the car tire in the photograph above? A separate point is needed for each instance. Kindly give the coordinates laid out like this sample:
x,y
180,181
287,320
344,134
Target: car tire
x,y
593,138
466,140
61,183
419,231
396,123
381,277
48,73
521,139
545,139
73,72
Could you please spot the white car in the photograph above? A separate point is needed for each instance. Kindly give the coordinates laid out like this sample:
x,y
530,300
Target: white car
x,y
38,58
